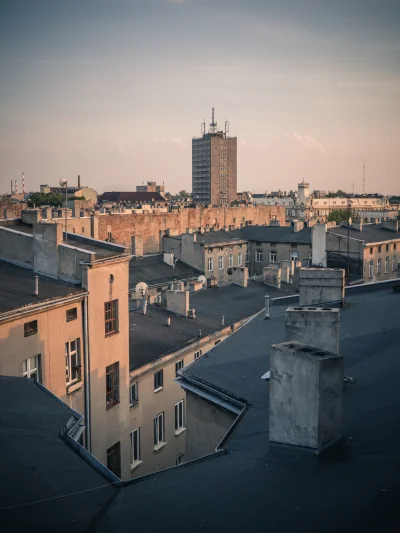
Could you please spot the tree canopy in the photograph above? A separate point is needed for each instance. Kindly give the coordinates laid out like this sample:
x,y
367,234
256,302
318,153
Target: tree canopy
x,y
342,215
338,194
38,199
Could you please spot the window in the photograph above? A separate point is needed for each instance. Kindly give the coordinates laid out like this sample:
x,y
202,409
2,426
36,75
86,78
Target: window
x,y
220,262
158,380
134,393
197,354
30,328
387,247
230,260
258,256
178,366
394,246
371,269
240,258
31,368
379,249
387,265
210,264
112,385
370,251
247,256
73,367
179,459
83,229
379,266
293,255
135,446
272,257
394,264
114,459
111,316
72,314
179,416
159,430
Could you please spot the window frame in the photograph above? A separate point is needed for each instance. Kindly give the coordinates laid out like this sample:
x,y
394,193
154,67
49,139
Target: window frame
x,y
27,373
220,262
110,370
230,261
113,318
197,354
74,315
379,266
371,269
240,259
273,252
69,354
135,400
135,453
180,419
158,373
387,263
178,366
258,256
210,264
31,330
159,436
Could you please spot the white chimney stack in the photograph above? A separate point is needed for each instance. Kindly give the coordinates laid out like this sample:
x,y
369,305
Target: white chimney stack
x,y
36,285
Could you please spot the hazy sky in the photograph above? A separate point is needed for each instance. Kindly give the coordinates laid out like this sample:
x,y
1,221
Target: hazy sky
x,y
114,90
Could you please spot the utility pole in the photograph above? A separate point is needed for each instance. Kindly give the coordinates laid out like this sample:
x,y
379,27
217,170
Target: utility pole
x,y
348,240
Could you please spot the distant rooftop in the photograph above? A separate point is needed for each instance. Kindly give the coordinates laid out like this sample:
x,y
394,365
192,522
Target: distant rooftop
x,y
151,338
370,233
131,197
152,270
214,237
282,234
18,285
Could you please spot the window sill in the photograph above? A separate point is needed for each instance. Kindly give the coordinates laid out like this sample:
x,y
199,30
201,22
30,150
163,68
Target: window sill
x,y
179,431
111,405
74,387
30,334
134,404
111,333
159,446
72,319
135,465
158,390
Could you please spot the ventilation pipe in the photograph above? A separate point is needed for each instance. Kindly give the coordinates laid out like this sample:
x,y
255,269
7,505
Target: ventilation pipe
x,y
266,297
36,285
168,322
223,321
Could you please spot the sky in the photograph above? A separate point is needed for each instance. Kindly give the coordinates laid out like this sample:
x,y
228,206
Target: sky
x,y
114,90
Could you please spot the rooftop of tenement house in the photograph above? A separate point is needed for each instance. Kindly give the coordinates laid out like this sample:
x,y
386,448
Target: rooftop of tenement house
x,y
247,489
354,488
18,286
370,233
150,338
277,234
131,197
16,224
152,270
37,465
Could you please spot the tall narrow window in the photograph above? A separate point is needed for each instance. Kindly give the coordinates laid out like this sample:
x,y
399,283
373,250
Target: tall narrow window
x,y
158,380
210,264
379,266
112,385
31,368
111,317
114,459
240,258
230,260
371,269
73,366
159,430
134,393
220,262
179,415
386,265
135,446
178,366
272,257
258,256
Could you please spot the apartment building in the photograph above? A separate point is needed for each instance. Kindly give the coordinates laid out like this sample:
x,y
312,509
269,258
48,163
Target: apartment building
x,y
64,321
214,253
151,186
371,252
214,167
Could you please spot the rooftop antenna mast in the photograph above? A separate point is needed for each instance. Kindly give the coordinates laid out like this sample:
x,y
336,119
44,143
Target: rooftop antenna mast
x,y
226,127
363,176
203,127
213,125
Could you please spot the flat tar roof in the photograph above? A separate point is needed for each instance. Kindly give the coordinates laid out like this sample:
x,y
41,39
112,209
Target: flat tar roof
x,y
152,270
150,338
18,285
370,233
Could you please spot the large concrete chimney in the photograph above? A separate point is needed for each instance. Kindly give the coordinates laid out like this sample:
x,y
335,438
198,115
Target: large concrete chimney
x,y
321,285
305,397
318,326
79,181
318,245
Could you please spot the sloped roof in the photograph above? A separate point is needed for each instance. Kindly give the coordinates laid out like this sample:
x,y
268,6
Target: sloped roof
x,y
131,197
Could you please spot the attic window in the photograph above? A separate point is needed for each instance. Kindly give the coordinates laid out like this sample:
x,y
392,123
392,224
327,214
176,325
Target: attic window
x,y
273,243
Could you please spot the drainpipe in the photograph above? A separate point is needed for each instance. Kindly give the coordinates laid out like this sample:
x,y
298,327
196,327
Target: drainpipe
x,y
87,374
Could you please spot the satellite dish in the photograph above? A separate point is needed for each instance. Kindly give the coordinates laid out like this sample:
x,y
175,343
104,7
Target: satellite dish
x,y
141,288
202,279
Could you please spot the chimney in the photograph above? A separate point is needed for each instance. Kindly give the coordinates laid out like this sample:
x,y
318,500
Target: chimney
x,y
16,187
11,187
298,225
358,224
23,183
390,225
36,285
79,181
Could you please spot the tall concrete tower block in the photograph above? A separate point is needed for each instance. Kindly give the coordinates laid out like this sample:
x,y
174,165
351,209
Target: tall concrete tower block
x,y
305,396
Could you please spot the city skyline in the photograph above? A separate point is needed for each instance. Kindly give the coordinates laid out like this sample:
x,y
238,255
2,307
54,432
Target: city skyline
x,y
116,95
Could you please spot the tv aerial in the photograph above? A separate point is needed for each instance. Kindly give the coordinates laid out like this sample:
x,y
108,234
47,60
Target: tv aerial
x,y
141,288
